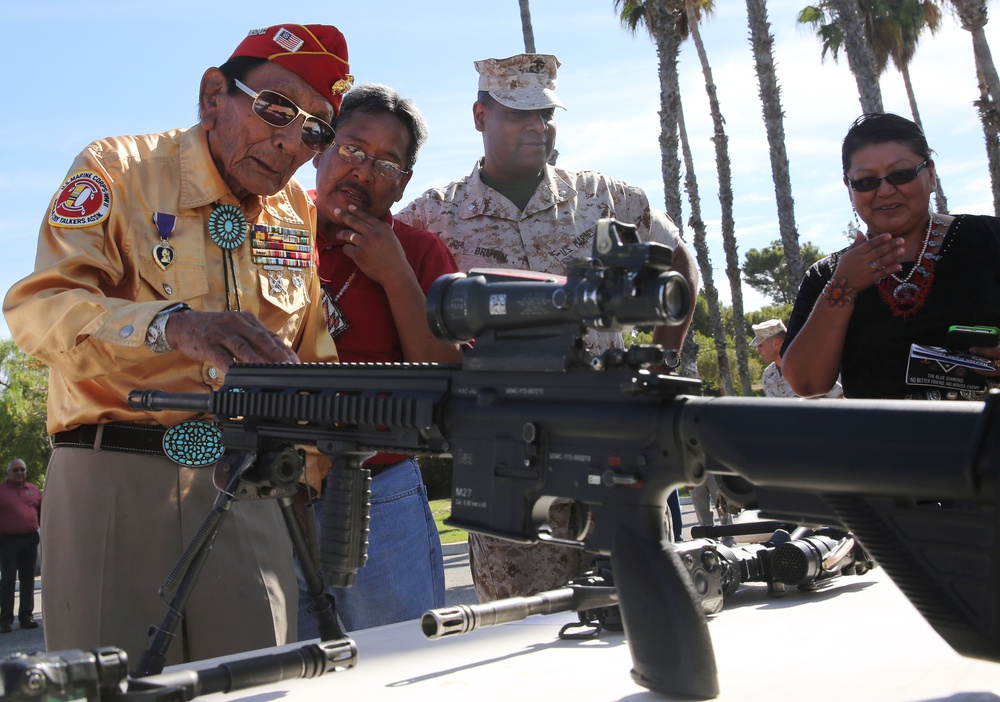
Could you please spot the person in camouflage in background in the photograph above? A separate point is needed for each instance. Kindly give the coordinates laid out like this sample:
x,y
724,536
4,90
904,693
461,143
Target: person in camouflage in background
x,y
515,210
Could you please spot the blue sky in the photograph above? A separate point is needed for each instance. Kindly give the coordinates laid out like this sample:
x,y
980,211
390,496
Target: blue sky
x,y
82,71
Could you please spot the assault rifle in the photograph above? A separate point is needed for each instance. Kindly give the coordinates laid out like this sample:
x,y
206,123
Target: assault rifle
x,y
101,675
529,417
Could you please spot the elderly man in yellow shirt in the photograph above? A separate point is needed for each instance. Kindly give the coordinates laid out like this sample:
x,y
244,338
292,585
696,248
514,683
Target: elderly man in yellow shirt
x,y
163,259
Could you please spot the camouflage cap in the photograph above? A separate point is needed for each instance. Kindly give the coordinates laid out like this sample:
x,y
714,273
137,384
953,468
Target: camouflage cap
x,y
765,330
521,82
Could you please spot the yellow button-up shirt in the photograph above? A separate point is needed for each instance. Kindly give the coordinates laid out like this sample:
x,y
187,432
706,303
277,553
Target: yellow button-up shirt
x,y
96,286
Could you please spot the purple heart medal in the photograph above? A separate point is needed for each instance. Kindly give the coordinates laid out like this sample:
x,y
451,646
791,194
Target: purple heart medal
x,y
163,254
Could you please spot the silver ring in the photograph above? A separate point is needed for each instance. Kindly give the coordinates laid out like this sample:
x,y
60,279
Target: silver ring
x,y
351,237
874,265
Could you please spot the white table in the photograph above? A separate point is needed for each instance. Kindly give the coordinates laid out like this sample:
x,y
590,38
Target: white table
x,y
858,639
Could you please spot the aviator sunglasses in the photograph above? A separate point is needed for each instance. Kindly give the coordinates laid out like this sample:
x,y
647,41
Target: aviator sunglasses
x,y
902,177
278,111
355,156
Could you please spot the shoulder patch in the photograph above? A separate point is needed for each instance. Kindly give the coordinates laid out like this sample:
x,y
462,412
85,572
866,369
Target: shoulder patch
x,y
83,200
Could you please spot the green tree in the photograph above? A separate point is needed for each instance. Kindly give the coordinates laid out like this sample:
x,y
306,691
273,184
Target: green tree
x,y
782,312
766,271
24,389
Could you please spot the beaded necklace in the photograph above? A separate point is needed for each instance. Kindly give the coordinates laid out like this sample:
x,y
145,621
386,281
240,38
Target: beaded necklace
x,y
345,286
906,298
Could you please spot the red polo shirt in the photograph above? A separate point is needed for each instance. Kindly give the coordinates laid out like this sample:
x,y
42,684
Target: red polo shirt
x,y
19,508
371,336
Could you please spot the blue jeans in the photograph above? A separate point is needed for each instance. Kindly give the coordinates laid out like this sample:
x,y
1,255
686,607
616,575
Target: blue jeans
x,y
404,574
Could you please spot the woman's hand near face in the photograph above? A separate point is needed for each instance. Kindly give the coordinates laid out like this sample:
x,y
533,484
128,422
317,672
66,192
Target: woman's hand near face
x,y
867,261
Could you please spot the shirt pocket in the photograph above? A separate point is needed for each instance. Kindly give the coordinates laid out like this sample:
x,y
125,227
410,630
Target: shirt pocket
x,y
286,289
182,280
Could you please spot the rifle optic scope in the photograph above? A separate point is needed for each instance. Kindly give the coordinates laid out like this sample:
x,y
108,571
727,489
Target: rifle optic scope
x,y
629,284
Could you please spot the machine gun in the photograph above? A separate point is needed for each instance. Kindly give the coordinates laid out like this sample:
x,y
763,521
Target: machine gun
x,y
529,417
101,675
806,560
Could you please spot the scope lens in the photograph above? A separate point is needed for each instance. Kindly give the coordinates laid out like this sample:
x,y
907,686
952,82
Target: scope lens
x,y
674,298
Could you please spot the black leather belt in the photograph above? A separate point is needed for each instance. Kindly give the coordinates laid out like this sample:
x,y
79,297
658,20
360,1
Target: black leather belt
x,y
128,438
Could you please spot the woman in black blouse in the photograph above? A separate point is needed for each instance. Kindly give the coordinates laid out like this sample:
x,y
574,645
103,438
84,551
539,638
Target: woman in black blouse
x,y
905,280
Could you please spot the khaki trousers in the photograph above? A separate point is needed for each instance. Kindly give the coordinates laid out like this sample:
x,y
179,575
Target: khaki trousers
x,y
113,527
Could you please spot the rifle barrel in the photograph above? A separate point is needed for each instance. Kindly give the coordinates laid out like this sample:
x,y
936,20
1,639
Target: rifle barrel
x,y
158,401
462,619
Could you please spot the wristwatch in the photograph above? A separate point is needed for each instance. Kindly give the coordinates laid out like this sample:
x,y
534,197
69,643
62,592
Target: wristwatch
x,y
156,336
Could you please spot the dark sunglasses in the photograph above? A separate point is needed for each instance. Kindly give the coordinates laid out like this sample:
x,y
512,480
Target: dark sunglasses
x,y
902,177
278,111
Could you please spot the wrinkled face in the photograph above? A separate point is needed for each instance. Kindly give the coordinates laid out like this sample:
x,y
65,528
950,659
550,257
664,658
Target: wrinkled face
x,y
252,156
17,473
517,142
380,136
896,209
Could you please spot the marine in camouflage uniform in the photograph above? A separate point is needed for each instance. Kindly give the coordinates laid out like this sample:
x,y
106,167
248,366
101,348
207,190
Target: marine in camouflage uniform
x,y
774,383
540,218
768,339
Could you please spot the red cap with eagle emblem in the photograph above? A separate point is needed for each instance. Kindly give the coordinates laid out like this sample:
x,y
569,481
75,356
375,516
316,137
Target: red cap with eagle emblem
x,y
317,53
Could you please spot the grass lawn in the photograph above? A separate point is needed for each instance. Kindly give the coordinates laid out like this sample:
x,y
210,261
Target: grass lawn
x,y
441,509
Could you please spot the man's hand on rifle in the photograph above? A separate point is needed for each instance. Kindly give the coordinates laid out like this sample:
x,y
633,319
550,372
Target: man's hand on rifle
x,y
224,338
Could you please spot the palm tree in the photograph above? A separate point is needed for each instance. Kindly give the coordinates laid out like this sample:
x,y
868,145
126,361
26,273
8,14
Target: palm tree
x,y
695,10
838,24
972,15
526,30
762,43
990,118
667,26
705,263
666,22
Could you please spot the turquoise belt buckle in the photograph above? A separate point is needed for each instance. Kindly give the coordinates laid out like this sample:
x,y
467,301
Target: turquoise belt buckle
x,y
193,443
